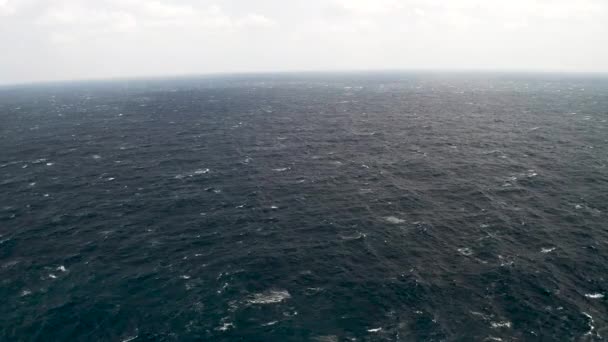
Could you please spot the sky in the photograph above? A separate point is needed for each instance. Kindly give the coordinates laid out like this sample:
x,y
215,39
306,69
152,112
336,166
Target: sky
x,y
44,40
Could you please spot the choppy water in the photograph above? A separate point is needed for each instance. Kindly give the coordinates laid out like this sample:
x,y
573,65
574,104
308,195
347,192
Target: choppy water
x,y
305,208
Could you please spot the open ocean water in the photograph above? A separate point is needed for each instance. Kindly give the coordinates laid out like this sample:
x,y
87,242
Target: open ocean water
x,y
315,207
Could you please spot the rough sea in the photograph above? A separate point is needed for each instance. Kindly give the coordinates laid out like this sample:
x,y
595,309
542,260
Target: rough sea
x,y
306,207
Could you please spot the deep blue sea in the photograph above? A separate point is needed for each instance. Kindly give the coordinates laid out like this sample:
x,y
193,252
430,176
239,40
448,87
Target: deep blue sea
x,y
306,207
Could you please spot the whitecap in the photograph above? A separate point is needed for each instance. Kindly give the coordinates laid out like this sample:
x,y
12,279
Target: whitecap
x,y
497,325
283,169
547,250
374,330
274,207
225,326
62,268
356,236
185,276
201,171
270,323
50,164
465,251
224,287
394,220
130,338
591,326
505,261
269,297
532,173
52,276
25,293
96,156
594,295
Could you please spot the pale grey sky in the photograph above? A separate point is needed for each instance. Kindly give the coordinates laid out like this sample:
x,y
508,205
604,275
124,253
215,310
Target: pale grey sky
x,y
83,39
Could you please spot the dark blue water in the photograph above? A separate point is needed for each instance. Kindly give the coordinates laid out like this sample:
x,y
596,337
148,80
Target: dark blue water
x,y
352,207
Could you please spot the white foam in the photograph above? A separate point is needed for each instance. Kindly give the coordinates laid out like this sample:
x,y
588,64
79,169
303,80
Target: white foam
x,y
62,268
394,220
356,236
26,292
201,171
185,276
50,164
283,169
578,206
504,262
52,276
374,330
130,338
547,250
225,326
594,295
270,323
532,173
224,287
269,297
465,251
274,207
497,325
479,314
591,326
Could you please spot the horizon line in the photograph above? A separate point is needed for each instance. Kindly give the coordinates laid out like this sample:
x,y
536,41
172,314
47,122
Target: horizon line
x,y
227,74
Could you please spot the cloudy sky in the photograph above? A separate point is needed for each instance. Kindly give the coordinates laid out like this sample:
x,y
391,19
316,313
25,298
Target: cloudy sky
x,y
83,39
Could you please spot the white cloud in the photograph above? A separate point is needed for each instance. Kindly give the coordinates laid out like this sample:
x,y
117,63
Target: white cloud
x,y
7,8
72,21
370,6
256,20
102,38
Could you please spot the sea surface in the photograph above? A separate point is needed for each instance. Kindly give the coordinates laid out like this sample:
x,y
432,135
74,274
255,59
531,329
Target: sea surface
x,y
306,207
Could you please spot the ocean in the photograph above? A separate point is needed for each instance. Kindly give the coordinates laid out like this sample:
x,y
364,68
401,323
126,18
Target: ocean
x,y
305,207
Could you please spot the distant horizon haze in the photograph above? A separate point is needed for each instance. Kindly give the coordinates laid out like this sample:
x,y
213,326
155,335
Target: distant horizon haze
x,y
64,40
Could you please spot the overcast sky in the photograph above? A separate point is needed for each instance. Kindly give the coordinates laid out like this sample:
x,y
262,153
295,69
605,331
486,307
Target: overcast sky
x,y
83,39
